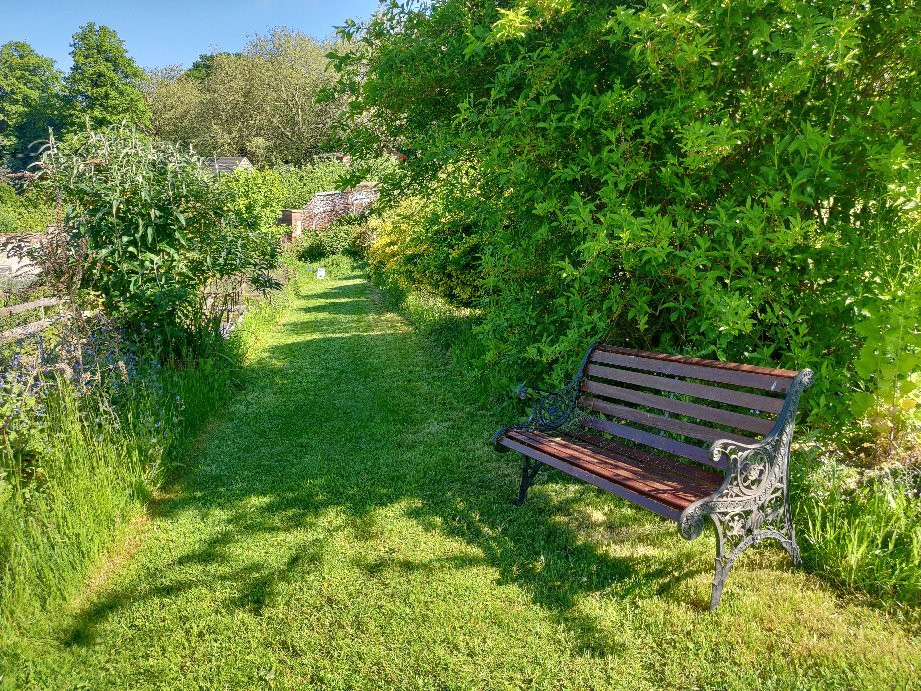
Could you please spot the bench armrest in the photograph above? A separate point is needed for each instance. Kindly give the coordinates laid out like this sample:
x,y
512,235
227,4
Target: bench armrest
x,y
553,411
754,492
524,392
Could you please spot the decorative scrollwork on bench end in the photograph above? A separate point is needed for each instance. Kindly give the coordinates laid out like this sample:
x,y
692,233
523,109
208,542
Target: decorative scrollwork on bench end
x,y
753,502
554,411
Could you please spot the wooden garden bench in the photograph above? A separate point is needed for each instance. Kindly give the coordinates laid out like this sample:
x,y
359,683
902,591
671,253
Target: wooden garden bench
x,y
631,422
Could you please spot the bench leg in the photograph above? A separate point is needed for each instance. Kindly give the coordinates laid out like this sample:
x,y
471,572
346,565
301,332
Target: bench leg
x,y
731,541
723,565
529,470
790,542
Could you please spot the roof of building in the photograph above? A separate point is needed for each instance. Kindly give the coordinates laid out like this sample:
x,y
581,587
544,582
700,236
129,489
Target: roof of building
x,y
228,164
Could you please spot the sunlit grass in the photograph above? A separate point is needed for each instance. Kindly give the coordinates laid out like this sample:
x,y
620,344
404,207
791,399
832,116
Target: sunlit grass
x,y
98,467
345,524
865,538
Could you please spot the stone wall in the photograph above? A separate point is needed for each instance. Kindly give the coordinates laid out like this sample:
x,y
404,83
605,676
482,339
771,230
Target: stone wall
x,y
16,269
327,207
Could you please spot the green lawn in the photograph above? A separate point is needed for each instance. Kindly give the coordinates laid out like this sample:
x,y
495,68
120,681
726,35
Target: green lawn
x,y
345,524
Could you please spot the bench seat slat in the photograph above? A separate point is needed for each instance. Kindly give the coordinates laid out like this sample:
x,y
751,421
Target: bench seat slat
x,y
687,429
695,410
670,494
693,473
655,441
666,494
659,478
592,479
679,367
743,399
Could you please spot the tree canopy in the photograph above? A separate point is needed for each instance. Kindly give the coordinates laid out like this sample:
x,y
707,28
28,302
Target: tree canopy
x,y
29,97
102,87
262,103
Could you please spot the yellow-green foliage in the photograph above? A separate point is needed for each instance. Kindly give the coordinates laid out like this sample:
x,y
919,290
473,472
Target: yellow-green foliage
x,y
27,212
421,243
256,195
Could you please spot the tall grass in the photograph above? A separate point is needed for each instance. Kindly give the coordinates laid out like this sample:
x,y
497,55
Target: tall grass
x,y
99,457
98,462
864,534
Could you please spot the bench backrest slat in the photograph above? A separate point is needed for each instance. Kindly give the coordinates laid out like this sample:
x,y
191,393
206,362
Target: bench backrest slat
x,y
654,441
691,367
742,399
666,424
673,405
703,362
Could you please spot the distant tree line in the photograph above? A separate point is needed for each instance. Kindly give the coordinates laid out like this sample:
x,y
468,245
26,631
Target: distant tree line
x,y
271,102
101,88
267,102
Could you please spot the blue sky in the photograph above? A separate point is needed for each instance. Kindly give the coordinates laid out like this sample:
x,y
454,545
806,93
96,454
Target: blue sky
x,y
169,32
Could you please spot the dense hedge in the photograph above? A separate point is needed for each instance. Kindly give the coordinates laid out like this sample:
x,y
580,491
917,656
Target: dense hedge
x,y
344,236
731,180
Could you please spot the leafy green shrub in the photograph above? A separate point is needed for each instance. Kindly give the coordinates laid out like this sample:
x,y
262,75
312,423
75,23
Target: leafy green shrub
x,y
419,244
253,200
363,240
26,212
730,180
150,227
302,183
338,238
257,195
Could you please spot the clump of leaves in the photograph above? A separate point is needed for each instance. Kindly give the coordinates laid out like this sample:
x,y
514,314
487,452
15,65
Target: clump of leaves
x,y
344,236
150,227
739,181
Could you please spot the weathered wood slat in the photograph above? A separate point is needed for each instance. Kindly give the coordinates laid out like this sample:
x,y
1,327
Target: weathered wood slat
x,y
681,369
663,510
655,441
742,399
695,410
655,478
687,429
718,364
674,466
25,331
669,493
26,306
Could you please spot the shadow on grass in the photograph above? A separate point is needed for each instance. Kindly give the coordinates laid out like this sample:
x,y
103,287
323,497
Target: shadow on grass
x,y
359,415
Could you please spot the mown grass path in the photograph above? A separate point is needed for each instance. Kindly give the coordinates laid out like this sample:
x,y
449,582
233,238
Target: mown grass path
x,y
345,524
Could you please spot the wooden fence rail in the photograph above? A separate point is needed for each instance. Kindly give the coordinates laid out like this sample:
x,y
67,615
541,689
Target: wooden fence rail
x,y
25,331
26,306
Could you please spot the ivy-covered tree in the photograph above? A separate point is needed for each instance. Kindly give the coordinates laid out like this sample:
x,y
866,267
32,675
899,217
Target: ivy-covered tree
x,y
30,88
103,86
